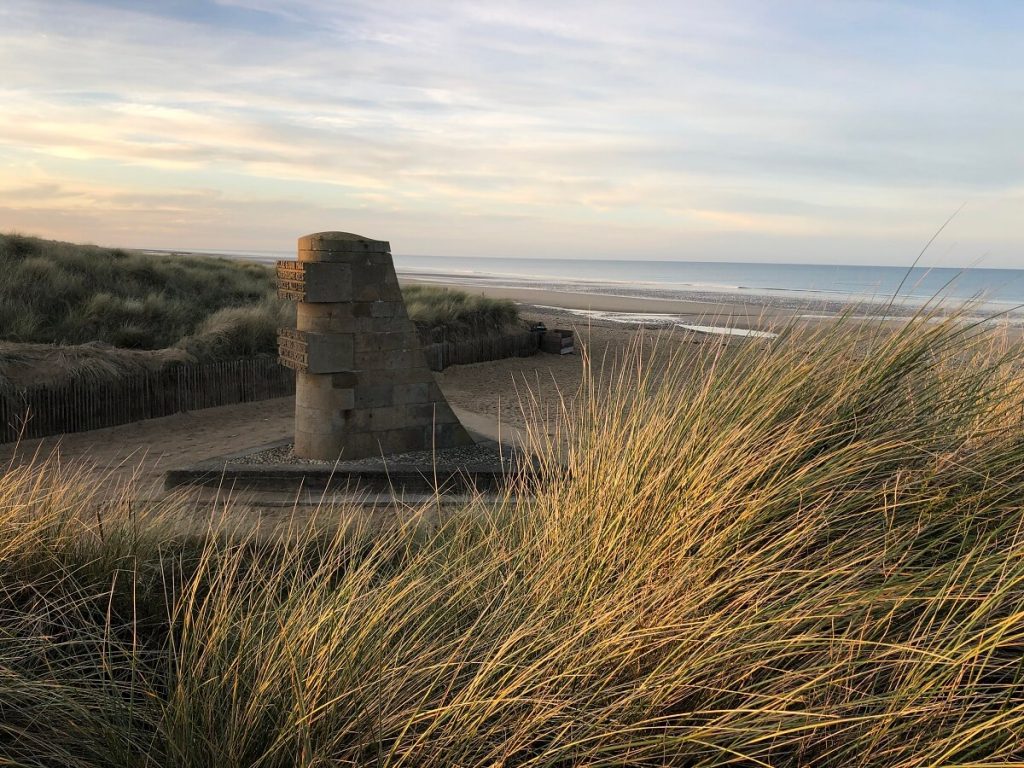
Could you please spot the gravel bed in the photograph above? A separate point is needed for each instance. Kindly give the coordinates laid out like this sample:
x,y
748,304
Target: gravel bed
x,y
487,454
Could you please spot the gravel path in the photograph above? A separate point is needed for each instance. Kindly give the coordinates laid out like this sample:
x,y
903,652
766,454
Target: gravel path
x,y
488,454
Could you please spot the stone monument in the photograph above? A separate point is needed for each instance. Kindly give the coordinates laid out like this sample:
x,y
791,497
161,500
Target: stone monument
x,y
363,386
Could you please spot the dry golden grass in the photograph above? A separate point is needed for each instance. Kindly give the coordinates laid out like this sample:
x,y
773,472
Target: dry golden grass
x,y
783,555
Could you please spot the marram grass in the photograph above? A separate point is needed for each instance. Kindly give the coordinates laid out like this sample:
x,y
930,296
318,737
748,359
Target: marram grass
x,y
212,308
805,553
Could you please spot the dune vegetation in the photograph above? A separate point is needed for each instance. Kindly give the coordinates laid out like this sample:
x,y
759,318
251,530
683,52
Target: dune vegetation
x,y
66,293
213,308
800,553
446,314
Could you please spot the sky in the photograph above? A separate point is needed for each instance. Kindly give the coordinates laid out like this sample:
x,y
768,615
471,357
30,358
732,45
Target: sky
x,y
738,130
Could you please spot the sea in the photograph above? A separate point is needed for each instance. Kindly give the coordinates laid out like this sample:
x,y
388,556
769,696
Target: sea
x,y
827,287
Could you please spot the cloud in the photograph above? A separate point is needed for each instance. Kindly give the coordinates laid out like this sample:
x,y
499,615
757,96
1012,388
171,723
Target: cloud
x,y
792,120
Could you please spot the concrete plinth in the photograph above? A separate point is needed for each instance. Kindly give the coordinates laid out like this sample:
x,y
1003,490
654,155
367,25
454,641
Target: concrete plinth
x,y
363,386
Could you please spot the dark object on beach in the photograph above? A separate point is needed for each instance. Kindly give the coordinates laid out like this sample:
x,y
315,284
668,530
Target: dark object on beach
x,y
537,331
558,342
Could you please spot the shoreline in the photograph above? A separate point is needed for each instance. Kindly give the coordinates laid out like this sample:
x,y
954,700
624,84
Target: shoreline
x,y
509,391
550,299
755,313
755,309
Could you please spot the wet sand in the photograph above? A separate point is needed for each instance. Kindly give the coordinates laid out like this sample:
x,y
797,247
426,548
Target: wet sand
x,y
705,308
751,313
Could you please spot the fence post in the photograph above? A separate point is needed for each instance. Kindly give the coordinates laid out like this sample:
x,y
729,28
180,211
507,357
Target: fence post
x,y
83,403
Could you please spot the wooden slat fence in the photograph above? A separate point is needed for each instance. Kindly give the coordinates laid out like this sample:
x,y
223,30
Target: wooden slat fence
x,y
79,404
442,354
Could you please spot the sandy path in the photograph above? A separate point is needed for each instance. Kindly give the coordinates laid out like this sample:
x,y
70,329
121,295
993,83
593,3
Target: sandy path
x,y
146,449
505,389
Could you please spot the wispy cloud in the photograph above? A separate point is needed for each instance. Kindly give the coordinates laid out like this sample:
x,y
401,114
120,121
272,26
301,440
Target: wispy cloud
x,y
689,128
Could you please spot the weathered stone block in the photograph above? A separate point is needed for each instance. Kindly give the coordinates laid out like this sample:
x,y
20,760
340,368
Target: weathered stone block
x,y
383,342
357,260
362,444
404,439
388,309
345,380
364,387
315,352
385,325
405,394
376,395
408,376
376,282
451,434
325,318
331,352
349,318
314,282
392,360
342,242
323,385
429,412
383,419
342,399
315,421
327,447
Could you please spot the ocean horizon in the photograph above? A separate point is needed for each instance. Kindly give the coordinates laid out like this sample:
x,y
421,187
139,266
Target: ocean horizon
x,y
989,290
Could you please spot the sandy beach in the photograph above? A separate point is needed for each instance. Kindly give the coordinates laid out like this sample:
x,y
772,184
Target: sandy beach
x,y
144,450
498,391
494,391
725,311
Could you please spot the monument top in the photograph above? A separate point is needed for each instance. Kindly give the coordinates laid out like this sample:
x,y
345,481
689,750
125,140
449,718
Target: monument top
x,y
346,242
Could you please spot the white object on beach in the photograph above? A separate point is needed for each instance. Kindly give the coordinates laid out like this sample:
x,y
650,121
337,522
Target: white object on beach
x,y
723,330
665,320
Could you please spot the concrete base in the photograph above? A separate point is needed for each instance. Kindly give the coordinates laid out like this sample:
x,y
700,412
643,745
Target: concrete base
x,y
514,473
